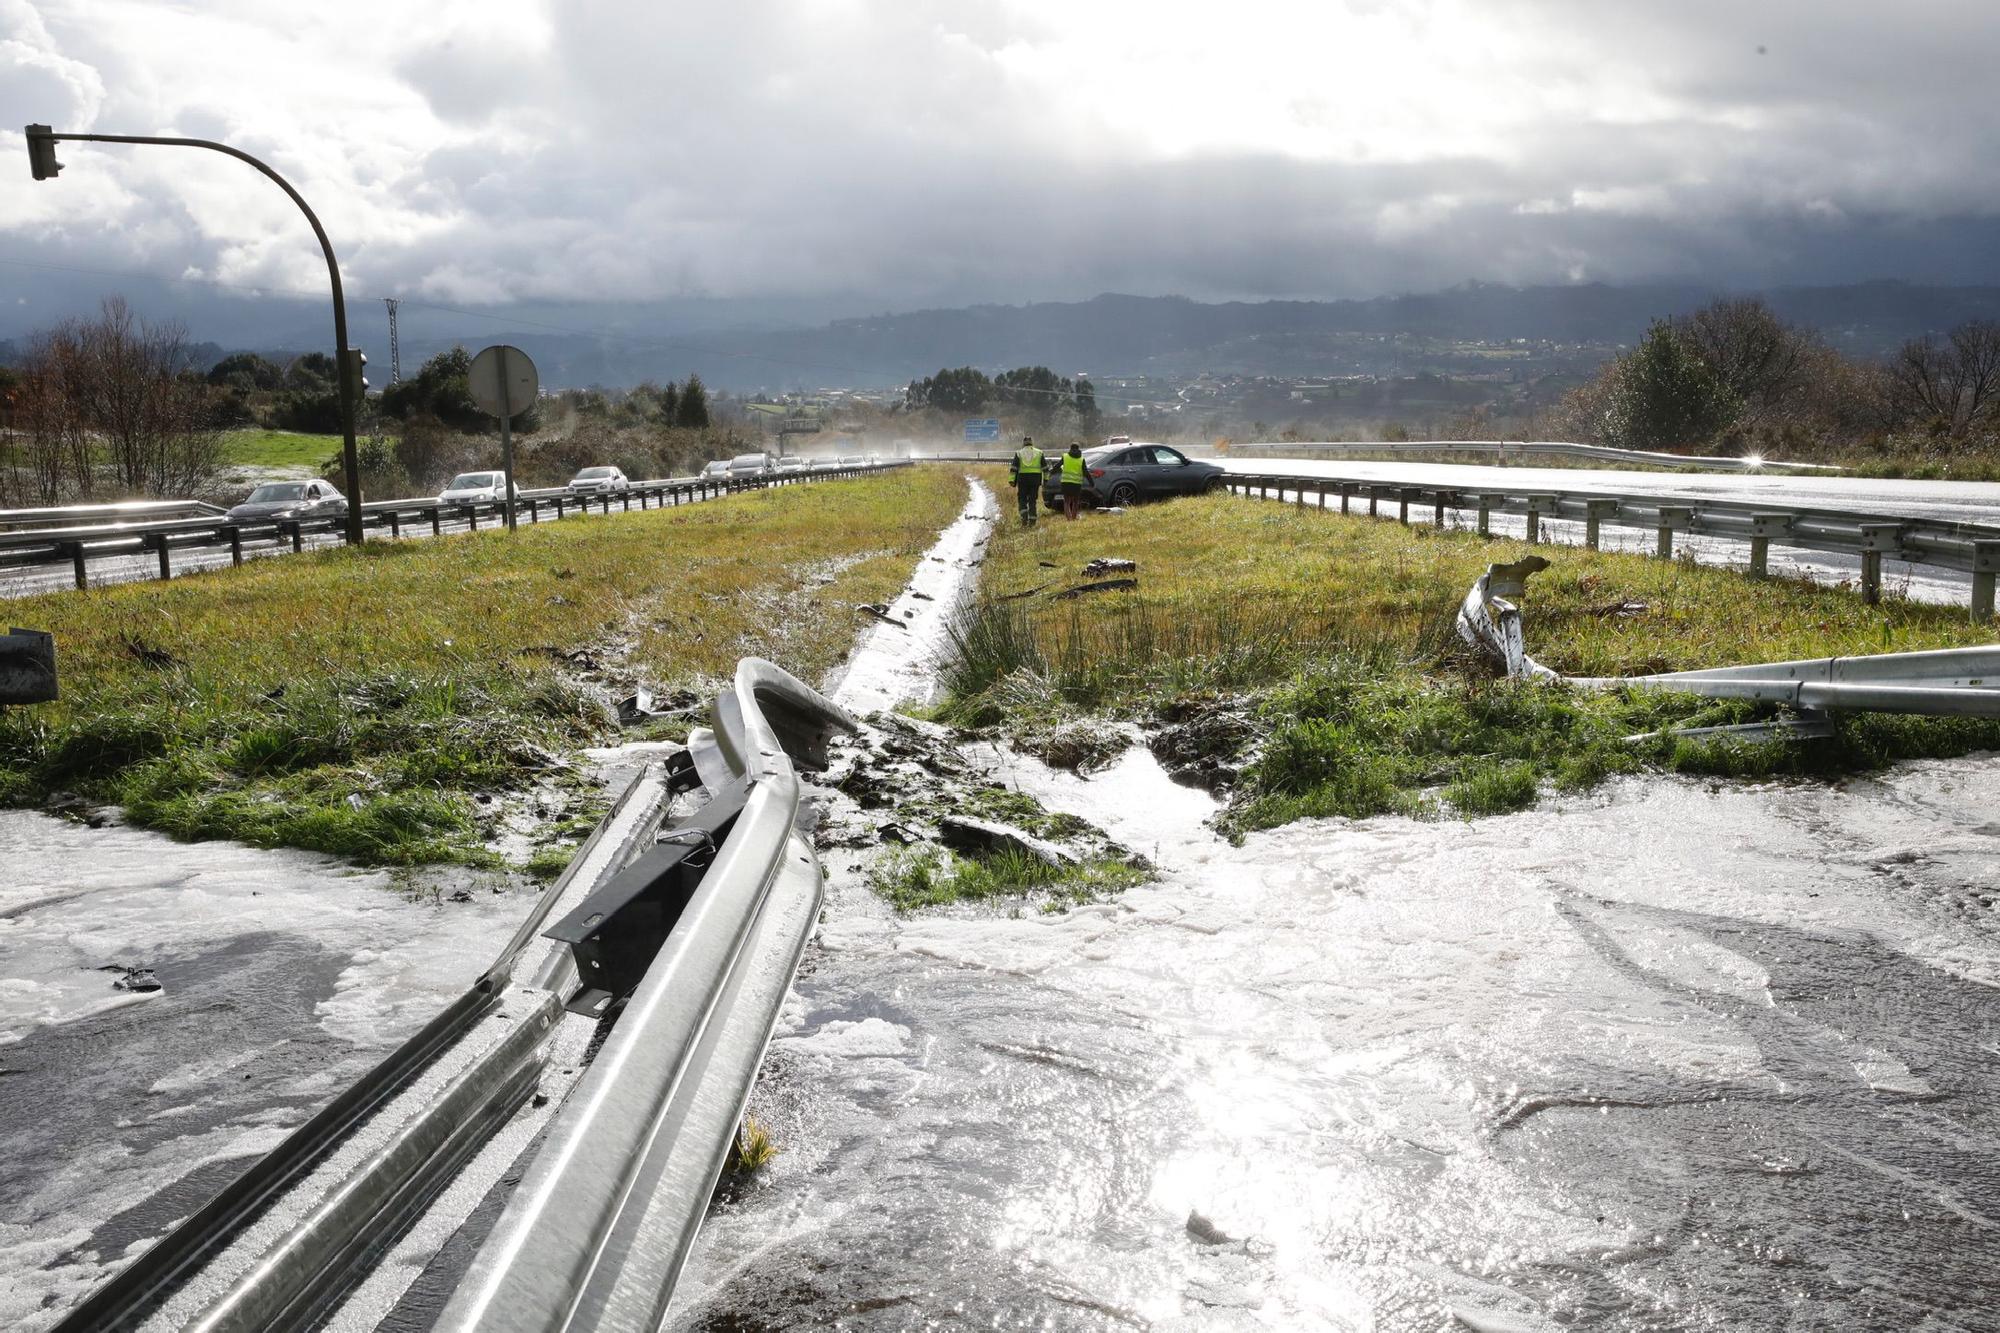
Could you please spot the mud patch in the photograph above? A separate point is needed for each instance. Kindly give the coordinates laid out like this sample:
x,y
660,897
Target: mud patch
x,y
904,787
1206,741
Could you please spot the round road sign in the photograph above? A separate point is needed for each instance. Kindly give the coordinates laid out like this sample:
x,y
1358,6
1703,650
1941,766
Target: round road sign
x,y
505,368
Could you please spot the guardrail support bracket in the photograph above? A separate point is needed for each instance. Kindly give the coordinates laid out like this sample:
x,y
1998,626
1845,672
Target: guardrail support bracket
x,y
1537,506
1985,565
1672,518
1594,514
1763,527
616,932
1488,502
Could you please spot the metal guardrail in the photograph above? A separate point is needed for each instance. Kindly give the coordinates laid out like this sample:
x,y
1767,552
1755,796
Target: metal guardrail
x,y
125,511
1504,451
1972,548
78,545
596,1234
1520,449
708,924
138,1288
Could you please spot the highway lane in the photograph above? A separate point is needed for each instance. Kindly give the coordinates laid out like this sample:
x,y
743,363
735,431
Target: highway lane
x,y
107,570
26,581
1953,501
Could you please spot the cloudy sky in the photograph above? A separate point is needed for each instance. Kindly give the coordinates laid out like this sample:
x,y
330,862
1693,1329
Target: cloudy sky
x,y
891,154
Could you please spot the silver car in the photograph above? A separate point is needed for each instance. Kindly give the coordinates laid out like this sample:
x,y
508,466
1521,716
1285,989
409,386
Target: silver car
x,y
599,481
473,488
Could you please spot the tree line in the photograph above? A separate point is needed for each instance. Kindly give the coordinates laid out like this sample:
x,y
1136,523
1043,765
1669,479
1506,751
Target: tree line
x,y
1035,395
118,405
1734,375
107,404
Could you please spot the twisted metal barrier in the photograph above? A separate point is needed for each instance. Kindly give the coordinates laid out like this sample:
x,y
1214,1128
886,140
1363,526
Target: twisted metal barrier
x,y
1943,682
685,940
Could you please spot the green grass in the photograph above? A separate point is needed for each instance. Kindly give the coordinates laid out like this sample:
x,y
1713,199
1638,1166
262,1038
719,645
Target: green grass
x,y
1339,630
916,878
753,1149
360,702
549,862
278,448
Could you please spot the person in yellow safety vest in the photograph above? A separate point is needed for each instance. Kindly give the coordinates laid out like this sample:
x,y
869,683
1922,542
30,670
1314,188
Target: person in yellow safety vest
x,y
1072,480
1026,473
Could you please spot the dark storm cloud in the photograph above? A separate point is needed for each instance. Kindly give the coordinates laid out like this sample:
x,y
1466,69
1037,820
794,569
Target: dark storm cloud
x,y
922,153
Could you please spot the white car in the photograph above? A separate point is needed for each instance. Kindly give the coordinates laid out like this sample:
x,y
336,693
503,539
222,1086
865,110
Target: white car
x,y
475,488
791,463
716,468
750,465
599,481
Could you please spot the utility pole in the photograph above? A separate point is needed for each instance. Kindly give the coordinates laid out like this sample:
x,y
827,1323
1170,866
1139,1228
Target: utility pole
x,y
395,352
42,160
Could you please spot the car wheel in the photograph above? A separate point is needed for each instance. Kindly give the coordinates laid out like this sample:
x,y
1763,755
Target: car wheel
x,y
1211,486
1124,493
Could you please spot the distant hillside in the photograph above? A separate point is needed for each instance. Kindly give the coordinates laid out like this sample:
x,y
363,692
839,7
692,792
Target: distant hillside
x,y
1565,329
1113,335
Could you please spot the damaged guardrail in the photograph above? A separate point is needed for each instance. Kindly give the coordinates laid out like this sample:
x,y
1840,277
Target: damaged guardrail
x,y
1946,682
76,545
1972,548
143,1285
596,1233
698,935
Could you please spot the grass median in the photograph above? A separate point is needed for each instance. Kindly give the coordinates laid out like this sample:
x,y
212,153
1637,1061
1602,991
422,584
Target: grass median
x,y
1314,656
386,703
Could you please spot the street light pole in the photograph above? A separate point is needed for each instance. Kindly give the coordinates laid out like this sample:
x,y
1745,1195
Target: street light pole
x,y
41,152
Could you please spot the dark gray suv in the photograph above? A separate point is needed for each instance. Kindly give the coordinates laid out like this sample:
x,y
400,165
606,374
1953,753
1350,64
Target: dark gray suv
x,y
1123,474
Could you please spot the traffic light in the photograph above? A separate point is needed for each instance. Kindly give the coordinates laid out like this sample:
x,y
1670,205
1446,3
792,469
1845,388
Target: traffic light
x,y
357,372
42,152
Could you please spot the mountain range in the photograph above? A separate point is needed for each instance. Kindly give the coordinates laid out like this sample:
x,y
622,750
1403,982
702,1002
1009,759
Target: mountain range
x,y
1107,336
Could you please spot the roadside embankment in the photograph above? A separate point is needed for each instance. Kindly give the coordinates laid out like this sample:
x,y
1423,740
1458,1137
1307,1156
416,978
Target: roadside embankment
x,y
403,702
1303,663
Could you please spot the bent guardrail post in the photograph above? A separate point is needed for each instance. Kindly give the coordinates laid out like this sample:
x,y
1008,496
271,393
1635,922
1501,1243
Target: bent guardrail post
x,y
1492,624
601,1223
1945,682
